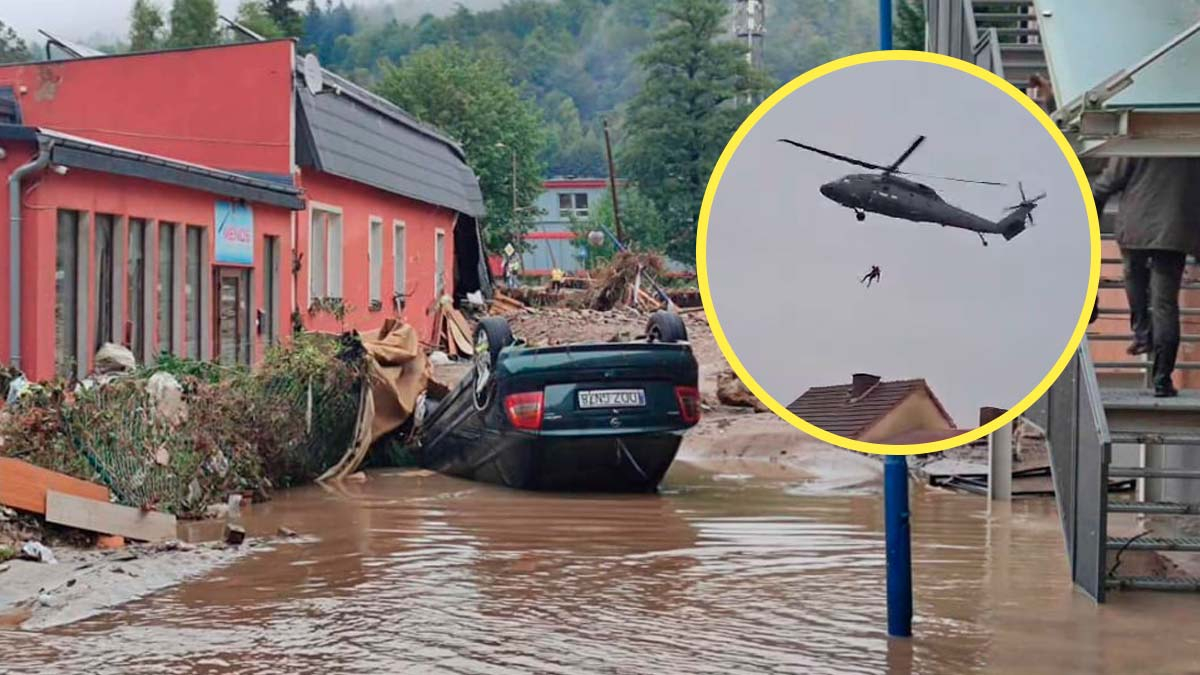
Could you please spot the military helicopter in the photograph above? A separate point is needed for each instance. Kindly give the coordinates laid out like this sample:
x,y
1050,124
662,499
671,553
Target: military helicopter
x,y
888,194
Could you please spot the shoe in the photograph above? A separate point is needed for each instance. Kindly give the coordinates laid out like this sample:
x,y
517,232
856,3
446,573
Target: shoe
x,y
1165,390
1136,348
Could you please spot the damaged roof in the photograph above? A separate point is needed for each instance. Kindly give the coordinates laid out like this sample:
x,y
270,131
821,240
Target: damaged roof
x,y
833,409
349,132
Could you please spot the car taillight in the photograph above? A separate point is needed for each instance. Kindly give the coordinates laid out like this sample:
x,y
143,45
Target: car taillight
x,y
525,410
689,403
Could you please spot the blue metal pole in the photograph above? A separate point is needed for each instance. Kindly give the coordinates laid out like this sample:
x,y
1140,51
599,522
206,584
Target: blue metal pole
x,y
885,24
899,550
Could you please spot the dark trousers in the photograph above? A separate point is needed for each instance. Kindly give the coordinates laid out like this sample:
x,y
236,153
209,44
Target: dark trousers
x,y
1152,280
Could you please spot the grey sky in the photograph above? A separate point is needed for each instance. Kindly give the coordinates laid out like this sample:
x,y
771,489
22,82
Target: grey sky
x,y
100,20
982,325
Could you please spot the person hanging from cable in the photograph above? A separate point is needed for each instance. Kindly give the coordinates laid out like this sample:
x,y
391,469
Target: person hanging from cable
x,y
871,276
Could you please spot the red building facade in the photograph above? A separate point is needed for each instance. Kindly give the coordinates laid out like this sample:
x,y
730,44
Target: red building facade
x,y
205,201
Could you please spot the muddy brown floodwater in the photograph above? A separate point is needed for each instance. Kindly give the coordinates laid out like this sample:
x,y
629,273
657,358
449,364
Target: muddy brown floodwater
x,y
726,571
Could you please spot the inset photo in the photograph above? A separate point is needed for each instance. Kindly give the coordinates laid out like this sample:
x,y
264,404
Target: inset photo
x,y
898,252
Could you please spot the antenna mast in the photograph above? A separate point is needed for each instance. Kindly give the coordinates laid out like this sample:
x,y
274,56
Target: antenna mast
x,y
749,26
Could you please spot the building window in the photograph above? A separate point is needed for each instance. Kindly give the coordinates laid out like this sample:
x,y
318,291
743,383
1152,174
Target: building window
x,y
192,285
439,265
105,265
164,289
325,255
66,297
375,261
573,204
399,273
270,319
135,289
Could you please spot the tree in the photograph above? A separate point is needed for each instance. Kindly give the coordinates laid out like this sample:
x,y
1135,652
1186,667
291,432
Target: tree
x,y
253,15
193,23
910,24
12,48
470,96
640,223
145,26
685,113
288,20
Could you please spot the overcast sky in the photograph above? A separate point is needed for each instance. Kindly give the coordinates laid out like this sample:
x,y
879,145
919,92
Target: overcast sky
x,y
981,325
104,19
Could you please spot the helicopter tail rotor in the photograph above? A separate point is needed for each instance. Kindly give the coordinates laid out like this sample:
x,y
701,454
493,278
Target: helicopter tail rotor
x,y
1027,203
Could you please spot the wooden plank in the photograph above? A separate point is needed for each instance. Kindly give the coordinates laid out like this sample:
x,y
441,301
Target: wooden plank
x,y
23,486
106,518
459,339
460,321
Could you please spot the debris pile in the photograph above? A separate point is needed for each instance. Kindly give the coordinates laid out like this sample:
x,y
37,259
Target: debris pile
x,y
621,282
731,391
451,331
181,435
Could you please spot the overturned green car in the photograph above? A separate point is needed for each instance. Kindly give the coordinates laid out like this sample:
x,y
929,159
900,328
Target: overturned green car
x,y
604,417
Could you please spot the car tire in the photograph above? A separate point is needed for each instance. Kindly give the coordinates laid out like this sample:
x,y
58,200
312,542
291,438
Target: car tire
x,y
491,335
666,327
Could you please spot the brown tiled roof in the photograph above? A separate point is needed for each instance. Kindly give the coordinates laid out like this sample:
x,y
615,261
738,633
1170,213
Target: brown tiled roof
x,y
832,409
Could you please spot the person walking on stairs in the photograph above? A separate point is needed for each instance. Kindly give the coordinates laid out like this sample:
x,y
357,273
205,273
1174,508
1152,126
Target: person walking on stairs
x,y
1157,226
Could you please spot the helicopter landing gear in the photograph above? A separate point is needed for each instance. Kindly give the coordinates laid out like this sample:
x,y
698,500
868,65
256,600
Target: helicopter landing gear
x,y
981,239
860,215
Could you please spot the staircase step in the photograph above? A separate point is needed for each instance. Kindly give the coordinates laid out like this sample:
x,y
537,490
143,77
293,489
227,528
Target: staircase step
x,y
1177,584
999,17
1008,30
1143,472
1155,438
1162,508
1126,337
1154,543
1143,365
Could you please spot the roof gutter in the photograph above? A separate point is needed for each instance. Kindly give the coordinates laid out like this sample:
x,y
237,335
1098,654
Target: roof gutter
x,y
39,162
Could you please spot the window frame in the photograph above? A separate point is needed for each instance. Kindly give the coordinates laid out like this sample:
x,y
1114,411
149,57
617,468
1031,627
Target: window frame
x,y
331,254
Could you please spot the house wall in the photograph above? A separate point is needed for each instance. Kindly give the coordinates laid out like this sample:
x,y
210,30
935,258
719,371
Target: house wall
x,y
227,107
358,204
917,411
551,242
95,193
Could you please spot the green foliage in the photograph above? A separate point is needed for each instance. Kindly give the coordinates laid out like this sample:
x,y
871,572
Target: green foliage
x,y
641,225
685,113
910,25
187,369
12,48
469,95
284,16
193,23
253,14
803,34
145,26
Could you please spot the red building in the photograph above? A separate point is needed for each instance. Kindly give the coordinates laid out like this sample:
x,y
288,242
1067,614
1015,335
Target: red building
x,y
204,201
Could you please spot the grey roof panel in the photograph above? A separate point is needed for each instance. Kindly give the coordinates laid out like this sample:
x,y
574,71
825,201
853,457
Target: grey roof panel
x,y
354,137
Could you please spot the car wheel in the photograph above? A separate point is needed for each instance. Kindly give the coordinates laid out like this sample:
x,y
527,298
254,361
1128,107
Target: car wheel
x,y
491,335
666,327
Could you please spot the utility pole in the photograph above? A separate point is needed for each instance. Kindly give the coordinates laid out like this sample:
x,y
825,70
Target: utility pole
x,y
612,186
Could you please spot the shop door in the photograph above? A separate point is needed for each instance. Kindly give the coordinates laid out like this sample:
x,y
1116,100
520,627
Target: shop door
x,y
232,326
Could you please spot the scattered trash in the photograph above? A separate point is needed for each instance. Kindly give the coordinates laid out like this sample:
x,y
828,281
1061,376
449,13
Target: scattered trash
x,y
357,477
732,391
114,358
48,600
166,394
217,510
235,506
476,298
125,556
234,534
286,532
7,513
439,358
37,552
110,541
17,387
3,568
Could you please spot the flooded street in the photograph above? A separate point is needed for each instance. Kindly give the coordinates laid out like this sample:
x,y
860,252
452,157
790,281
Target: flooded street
x,y
724,572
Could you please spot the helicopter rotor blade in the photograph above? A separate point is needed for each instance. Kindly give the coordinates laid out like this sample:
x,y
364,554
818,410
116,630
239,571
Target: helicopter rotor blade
x,y
912,148
957,180
834,155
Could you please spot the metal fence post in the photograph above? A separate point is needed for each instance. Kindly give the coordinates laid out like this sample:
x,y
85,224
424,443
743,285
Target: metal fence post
x,y
899,546
1000,463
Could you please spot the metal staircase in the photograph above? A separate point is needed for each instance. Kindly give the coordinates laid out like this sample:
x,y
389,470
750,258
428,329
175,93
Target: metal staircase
x,y
1100,419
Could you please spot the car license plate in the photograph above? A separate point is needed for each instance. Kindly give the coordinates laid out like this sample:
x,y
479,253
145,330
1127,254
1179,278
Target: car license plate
x,y
612,398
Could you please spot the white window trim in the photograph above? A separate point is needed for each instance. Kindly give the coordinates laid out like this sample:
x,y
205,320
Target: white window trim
x,y
439,233
399,263
375,282
313,207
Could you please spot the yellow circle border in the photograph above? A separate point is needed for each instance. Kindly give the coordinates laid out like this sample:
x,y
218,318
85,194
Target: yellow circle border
x,y
702,253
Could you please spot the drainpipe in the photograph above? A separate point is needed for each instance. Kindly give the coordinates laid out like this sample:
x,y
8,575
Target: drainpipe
x,y
41,161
